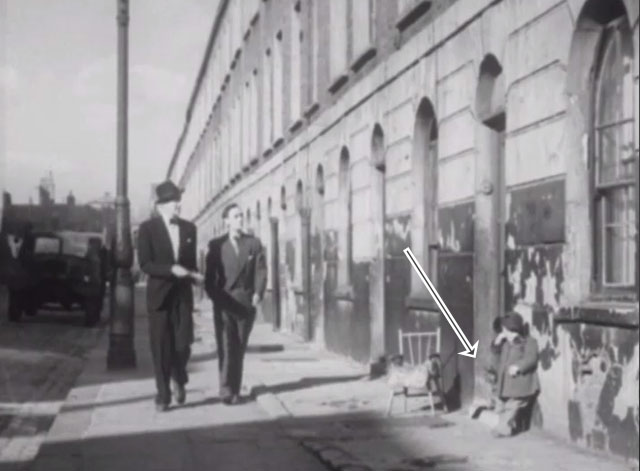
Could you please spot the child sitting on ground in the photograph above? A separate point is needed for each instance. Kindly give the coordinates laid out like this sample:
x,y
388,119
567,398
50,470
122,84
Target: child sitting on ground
x,y
491,373
517,383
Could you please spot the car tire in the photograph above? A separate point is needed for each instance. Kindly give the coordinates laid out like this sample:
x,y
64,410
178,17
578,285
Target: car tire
x,y
31,310
15,310
93,309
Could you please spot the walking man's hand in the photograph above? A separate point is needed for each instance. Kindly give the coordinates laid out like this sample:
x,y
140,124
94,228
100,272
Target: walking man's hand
x,y
256,299
197,277
179,271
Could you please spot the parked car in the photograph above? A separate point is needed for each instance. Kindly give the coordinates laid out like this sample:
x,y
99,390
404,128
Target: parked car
x,y
69,269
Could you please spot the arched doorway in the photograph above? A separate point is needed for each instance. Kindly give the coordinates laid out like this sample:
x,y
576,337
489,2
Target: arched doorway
x,y
489,234
377,274
423,236
317,258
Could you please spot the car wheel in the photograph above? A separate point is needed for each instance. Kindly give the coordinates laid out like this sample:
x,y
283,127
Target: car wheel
x,y
93,308
15,310
31,310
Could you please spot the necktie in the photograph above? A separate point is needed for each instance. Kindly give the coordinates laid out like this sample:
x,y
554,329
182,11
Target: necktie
x,y
234,243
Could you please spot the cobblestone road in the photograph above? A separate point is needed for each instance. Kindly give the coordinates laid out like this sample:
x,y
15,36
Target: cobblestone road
x,y
40,358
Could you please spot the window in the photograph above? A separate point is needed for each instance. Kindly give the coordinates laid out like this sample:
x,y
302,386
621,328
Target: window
x,y
253,106
266,101
277,87
362,31
246,123
236,153
312,54
614,169
296,72
338,40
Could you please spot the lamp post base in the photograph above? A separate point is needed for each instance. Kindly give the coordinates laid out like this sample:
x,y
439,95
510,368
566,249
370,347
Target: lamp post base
x,y
121,349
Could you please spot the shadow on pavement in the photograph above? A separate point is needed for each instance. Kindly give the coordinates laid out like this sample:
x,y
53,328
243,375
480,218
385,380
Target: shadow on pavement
x,y
303,384
305,443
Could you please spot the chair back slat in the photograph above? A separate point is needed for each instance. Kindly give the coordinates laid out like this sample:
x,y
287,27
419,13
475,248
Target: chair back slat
x,y
420,345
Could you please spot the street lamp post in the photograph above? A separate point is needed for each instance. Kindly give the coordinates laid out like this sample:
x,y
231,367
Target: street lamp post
x,y
121,352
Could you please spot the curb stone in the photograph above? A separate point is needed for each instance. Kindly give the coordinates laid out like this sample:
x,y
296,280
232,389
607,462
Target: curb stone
x,y
335,458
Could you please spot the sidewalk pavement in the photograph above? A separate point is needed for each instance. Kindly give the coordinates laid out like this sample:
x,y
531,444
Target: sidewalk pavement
x,y
303,384
306,398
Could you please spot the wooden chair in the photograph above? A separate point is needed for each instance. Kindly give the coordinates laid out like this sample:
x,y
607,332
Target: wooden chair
x,y
419,371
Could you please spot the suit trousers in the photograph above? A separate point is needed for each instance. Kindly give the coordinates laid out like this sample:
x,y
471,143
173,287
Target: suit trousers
x,y
170,354
232,337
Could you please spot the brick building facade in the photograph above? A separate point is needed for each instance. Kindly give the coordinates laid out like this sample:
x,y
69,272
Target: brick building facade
x,y
497,139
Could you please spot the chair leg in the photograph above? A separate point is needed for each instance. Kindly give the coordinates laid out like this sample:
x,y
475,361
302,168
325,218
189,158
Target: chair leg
x,y
390,402
405,400
433,407
442,398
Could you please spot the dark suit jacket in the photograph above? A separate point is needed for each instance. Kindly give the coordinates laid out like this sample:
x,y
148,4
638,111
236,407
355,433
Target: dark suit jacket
x,y
155,256
231,280
16,273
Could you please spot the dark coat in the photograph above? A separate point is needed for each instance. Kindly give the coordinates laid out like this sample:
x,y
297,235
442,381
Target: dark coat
x,y
16,273
231,280
523,352
155,256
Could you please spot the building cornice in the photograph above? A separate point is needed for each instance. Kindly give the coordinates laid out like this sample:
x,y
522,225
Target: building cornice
x,y
222,8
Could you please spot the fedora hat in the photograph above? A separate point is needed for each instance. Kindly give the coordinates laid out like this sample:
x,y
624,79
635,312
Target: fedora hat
x,y
167,191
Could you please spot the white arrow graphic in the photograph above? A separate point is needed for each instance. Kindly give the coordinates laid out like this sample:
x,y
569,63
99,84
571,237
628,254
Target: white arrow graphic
x,y
471,350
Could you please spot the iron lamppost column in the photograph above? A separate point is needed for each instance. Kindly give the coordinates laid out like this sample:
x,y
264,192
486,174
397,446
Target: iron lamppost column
x,y
121,352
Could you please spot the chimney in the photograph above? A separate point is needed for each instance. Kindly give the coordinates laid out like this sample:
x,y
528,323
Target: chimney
x,y
71,200
44,196
6,199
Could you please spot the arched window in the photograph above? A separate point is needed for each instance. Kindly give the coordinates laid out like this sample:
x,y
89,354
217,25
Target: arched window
x,y
283,198
614,162
299,196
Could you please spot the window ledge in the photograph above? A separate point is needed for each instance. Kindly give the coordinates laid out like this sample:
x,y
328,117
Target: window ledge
x,y
297,124
344,293
278,142
363,58
311,109
412,13
605,313
236,56
338,82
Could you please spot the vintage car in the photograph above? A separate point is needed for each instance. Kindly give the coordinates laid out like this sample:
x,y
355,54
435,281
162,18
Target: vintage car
x,y
69,269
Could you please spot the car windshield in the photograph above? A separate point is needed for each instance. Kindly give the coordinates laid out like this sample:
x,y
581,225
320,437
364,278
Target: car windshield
x,y
76,243
46,245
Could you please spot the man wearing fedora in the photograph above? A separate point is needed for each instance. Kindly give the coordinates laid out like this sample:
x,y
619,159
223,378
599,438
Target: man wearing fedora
x,y
167,255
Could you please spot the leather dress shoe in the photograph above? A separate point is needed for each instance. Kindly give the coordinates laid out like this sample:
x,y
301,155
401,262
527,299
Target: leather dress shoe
x,y
231,400
180,393
162,407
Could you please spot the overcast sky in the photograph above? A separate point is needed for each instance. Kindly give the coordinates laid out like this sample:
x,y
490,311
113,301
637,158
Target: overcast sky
x,y
59,84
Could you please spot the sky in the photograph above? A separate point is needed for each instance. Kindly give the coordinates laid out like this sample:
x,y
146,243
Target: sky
x,y
58,73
